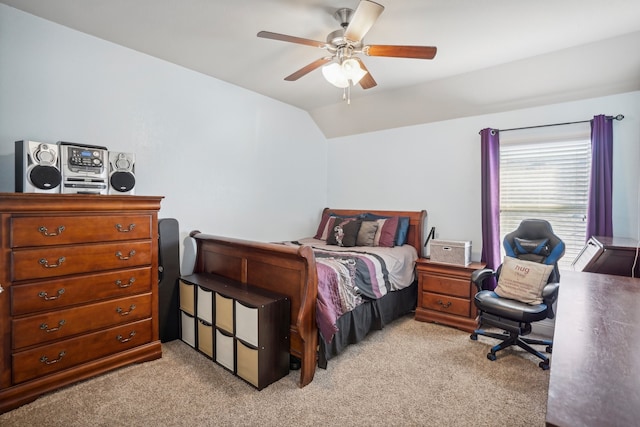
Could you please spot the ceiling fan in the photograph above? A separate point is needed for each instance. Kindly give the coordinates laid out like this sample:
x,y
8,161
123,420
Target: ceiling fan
x,y
343,68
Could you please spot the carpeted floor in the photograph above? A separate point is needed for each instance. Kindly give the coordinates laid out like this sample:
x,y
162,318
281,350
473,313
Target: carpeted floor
x,y
409,374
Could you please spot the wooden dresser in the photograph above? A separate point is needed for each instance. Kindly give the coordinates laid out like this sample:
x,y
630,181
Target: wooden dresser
x,y
445,294
78,292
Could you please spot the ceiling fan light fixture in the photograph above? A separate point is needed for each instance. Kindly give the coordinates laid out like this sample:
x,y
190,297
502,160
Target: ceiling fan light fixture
x,y
345,74
352,70
334,74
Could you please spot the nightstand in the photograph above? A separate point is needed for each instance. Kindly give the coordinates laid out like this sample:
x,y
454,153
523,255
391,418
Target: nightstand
x,y
445,294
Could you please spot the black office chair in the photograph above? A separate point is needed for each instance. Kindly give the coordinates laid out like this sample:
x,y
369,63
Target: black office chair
x,y
533,240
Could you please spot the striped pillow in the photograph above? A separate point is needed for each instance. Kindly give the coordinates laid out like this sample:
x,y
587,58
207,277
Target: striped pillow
x,y
386,233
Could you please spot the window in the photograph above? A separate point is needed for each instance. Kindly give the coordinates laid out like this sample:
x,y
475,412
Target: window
x,y
547,180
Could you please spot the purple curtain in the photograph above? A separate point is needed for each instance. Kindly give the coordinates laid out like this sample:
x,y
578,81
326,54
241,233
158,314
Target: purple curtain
x,y
599,220
490,170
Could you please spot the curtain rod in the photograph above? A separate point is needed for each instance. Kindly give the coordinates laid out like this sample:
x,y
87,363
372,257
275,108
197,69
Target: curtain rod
x,y
618,117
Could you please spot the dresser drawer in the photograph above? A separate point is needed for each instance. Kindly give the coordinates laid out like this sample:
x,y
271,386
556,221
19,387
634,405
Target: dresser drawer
x,y
65,354
446,285
446,304
50,326
59,230
63,260
60,293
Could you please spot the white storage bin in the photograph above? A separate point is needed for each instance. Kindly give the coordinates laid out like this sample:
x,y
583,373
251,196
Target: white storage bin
x,y
247,324
188,330
205,306
224,350
451,252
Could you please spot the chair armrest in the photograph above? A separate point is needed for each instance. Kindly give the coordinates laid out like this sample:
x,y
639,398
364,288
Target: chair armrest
x,y
479,276
549,296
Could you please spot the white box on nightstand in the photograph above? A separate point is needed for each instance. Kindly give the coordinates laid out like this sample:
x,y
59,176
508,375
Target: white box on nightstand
x,y
451,252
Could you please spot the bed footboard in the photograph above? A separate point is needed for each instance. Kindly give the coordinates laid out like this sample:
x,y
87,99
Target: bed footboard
x,y
279,268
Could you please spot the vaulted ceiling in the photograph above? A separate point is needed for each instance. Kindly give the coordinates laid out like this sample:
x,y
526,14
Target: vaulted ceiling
x,y
493,55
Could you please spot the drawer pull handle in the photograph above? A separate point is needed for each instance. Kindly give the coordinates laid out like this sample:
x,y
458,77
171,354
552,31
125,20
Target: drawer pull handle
x,y
121,229
125,285
45,359
45,327
125,313
46,297
444,304
45,232
45,263
124,340
124,258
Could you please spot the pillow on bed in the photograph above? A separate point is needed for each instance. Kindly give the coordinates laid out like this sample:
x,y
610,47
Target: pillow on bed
x,y
367,233
403,227
386,233
403,230
523,280
323,227
344,232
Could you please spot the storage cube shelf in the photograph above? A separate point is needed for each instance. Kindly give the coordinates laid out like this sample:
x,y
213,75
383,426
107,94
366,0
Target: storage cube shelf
x,y
241,327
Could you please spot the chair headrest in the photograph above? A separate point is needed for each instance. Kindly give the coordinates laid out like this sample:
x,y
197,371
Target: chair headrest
x,y
534,240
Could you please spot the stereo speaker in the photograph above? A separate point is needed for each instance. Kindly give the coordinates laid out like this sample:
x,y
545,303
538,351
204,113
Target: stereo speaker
x,y
122,169
37,167
168,275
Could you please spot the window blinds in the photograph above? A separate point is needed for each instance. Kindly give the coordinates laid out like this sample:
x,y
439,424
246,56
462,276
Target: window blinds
x,y
547,180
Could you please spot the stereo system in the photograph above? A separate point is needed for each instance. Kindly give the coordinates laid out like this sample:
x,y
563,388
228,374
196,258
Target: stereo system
x,y
71,168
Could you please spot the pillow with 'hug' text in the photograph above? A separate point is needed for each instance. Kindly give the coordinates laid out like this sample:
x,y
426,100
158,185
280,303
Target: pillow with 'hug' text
x,y
523,280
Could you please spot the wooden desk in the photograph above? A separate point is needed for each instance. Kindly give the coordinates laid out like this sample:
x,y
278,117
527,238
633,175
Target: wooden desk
x,y
594,379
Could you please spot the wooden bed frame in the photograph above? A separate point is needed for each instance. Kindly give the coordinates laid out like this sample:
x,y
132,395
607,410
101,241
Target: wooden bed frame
x,y
287,270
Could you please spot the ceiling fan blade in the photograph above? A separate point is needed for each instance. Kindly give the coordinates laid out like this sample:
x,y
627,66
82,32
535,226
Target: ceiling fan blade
x,y
418,52
363,19
367,82
291,39
307,69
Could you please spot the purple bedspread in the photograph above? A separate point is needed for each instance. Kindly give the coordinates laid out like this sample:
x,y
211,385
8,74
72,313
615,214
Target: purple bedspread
x,y
346,280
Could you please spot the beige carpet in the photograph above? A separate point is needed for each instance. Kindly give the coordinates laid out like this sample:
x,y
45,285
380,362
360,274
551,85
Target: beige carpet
x,y
409,374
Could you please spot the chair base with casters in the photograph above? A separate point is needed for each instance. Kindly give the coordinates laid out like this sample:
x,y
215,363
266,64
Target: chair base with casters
x,y
513,334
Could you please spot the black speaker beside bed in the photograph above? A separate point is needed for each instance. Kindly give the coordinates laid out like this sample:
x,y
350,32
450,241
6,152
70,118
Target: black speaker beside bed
x,y
168,274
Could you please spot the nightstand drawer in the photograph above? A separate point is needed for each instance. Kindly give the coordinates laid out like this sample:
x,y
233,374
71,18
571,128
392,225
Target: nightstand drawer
x,y
446,285
446,304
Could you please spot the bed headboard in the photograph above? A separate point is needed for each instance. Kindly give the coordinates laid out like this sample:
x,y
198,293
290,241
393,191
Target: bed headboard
x,y
415,236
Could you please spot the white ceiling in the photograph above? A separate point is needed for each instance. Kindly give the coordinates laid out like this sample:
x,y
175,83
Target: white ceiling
x,y
493,55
